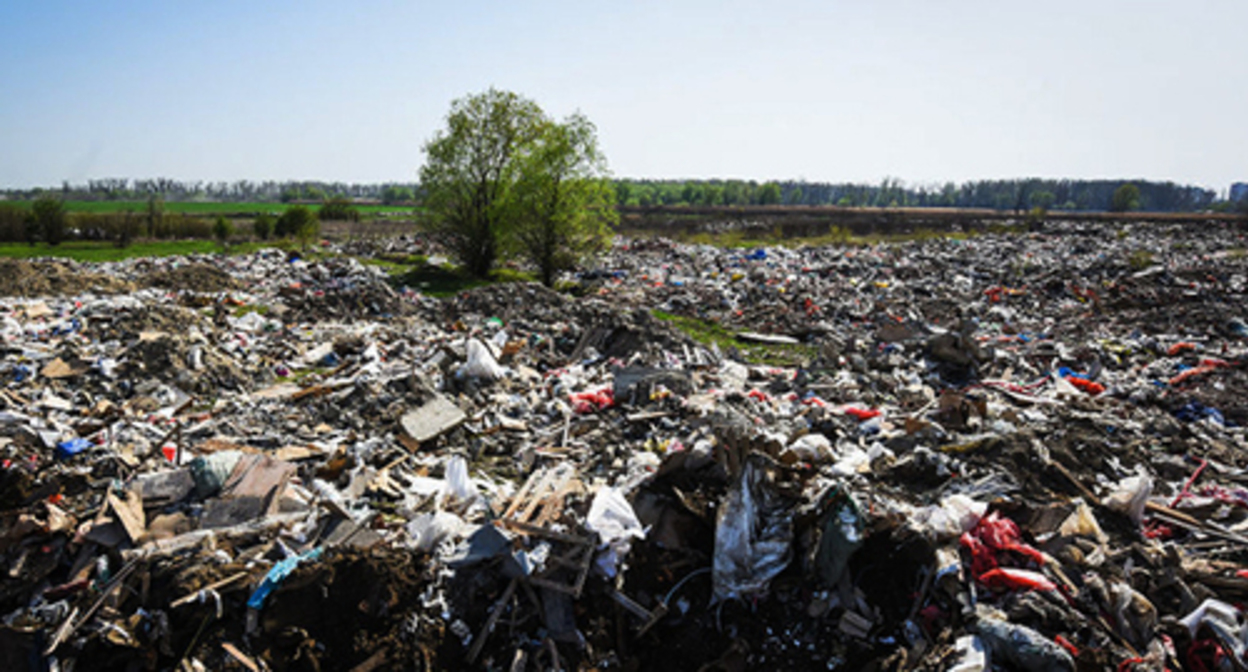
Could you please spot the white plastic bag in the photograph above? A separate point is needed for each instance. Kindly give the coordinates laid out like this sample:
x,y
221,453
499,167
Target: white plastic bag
x,y
615,522
1131,496
458,485
429,530
481,364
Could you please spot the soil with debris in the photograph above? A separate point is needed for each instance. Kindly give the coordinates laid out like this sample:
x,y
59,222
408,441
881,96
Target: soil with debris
x,y
19,277
192,278
1007,452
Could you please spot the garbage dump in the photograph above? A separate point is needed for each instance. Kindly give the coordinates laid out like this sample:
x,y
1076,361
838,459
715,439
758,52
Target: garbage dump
x,y
1004,452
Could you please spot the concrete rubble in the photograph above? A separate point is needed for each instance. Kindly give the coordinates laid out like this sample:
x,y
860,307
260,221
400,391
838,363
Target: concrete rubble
x,y
1010,452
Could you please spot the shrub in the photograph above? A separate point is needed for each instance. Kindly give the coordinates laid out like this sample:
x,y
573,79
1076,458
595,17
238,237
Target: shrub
x,y
339,209
263,226
49,220
222,229
295,218
12,222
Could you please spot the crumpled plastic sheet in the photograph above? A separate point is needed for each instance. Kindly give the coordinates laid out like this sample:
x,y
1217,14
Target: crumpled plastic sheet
x,y
616,523
753,535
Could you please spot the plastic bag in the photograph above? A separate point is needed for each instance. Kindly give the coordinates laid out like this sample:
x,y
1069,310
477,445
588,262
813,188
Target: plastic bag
x,y
481,364
1131,496
954,515
1027,649
843,528
458,485
813,448
753,535
210,471
615,522
429,530
1082,523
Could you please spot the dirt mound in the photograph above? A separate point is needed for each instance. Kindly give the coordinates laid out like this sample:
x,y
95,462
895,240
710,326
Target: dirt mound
x,y
194,278
588,322
345,302
19,277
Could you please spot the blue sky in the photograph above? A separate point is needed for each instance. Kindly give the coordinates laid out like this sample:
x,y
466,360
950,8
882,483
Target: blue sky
x,y
822,90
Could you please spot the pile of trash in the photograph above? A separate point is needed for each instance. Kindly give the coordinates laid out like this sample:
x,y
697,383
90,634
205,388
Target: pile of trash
x,y
1004,452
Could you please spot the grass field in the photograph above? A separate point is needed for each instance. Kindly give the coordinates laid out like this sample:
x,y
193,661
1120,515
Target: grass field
x,y
212,208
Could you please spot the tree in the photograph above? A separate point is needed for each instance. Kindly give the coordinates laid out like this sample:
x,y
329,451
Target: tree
x,y
222,229
48,220
1042,199
469,170
295,219
155,214
1126,198
393,193
263,226
769,194
795,196
339,209
564,199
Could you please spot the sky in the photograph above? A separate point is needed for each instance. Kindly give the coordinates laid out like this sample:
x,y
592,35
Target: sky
x,y
823,90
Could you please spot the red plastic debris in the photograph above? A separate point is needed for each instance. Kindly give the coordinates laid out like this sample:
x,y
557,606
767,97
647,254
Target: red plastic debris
x,y
992,537
862,414
1180,347
1092,388
1016,579
596,400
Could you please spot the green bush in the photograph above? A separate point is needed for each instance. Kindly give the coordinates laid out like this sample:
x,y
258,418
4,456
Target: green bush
x,y
49,220
222,229
339,209
296,218
12,222
262,228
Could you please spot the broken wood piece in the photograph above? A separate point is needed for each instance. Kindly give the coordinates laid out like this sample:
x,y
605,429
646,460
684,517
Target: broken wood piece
x,y
240,656
191,597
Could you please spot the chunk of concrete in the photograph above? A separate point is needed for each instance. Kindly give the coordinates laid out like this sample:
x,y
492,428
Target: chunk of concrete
x,y
437,416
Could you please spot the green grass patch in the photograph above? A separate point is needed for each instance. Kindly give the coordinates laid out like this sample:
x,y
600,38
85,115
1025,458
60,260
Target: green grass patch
x,y
709,333
443,281
91,250
251,308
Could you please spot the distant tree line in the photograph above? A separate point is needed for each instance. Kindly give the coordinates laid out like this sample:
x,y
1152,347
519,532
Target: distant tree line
x,y
1014,194
1018,195
239,191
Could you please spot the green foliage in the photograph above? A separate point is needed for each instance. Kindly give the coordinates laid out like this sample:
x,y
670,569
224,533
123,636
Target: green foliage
x,y
222,229
1140,260
565,203
12,222
392,194
48,216
262,227
295,219
1042,199
470,169
769,194
339,209
155,214
1126,198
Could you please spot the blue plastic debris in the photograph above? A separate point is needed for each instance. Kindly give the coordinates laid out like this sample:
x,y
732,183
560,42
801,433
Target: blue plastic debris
x,y
757,255
70,448
277,574
1070,373
1194,411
